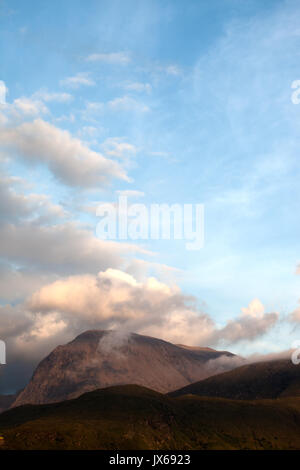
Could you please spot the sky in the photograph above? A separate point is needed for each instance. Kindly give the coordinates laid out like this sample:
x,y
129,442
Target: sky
x,y
165,102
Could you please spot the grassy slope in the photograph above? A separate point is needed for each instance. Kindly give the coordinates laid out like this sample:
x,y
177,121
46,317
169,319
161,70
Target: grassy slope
x,y
272,379
133,417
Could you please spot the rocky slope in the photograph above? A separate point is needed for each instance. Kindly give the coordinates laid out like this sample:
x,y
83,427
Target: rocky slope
x,y
97,359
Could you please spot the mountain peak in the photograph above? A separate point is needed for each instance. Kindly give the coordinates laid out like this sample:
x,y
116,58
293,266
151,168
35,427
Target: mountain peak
x,y
102,358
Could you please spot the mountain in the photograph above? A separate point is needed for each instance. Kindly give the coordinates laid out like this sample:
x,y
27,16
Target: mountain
x,y
134,417
6,401
97,359
270,379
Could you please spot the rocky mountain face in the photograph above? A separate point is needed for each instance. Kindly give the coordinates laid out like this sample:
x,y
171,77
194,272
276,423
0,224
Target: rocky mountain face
x,y
269,379
98,359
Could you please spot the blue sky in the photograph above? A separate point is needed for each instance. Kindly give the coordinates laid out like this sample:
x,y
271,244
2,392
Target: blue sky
x,y
191,103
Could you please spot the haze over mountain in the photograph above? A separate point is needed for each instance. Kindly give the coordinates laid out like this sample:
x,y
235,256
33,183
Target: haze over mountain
x,y
270,379
6,401
98,359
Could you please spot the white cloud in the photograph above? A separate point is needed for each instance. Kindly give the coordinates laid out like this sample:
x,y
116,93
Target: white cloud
x,y
33,106
80,79
114,299
65,118
17,283
295,316
44,95
255,309
253,322
62,248
15,205
47,326
121,104
139,87
131,193
121,58
66,157
126,103
3,92
115,147
172,69
29,106
92,108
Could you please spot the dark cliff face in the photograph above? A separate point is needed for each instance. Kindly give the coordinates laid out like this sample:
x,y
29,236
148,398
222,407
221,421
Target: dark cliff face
x,y
261,380
98,359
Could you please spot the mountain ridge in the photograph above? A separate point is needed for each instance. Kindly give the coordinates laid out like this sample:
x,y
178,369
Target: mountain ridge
x,y
271,379
98,358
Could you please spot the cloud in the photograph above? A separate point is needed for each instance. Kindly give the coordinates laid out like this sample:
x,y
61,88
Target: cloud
x,y
130,193
115,299
33,106
63,248
253,322
3,92
294,316
80,79
172,69
89,131
44,95
66,157
28,106
17,283
112,299
13,323
120,105
115,147
121,58
255,309
126,103
139,87
15,205
47,326
225,363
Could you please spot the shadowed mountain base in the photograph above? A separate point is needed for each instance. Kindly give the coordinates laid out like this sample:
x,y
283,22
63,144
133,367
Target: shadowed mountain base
x,y
133,417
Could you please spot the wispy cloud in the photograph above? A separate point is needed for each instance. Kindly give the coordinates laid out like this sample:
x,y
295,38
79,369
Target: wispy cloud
x,y
29,106
80,79
139,87
47,96
121,58
3,92
116,147
126,103
131,193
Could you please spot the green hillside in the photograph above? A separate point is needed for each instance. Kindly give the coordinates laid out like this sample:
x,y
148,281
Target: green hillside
x,y
270,379
133,417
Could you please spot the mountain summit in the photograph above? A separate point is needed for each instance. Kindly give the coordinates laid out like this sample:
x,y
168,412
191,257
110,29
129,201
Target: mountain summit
x,y
98,359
